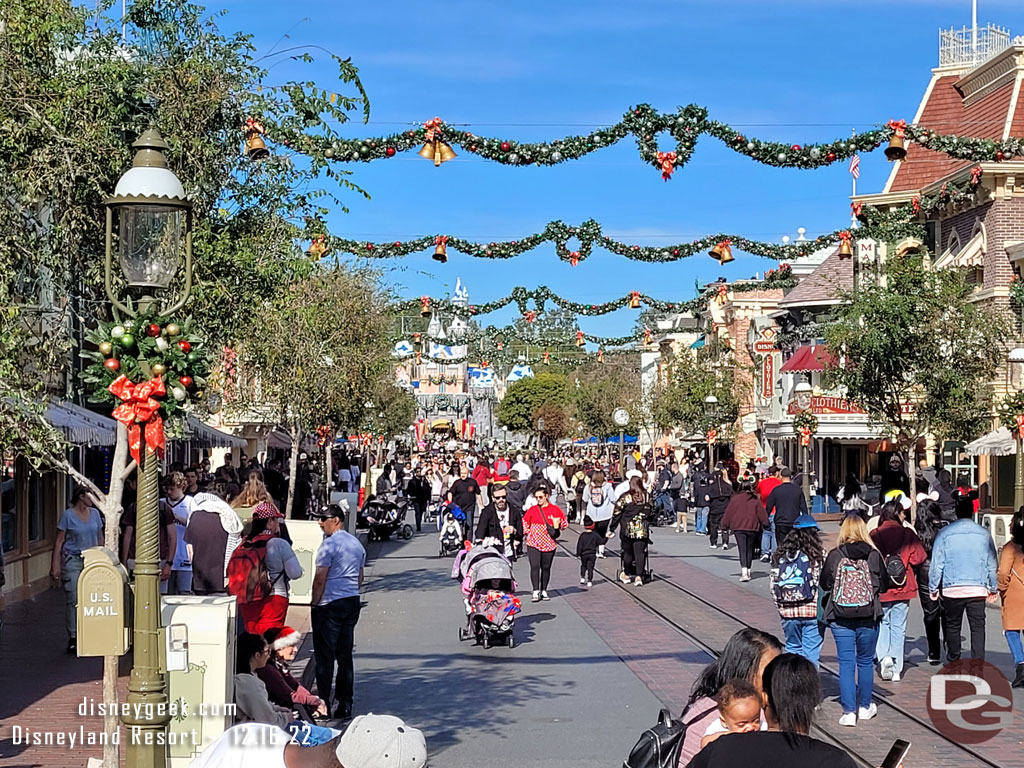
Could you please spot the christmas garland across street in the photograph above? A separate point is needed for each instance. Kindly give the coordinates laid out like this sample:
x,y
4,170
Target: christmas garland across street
x,y
646,124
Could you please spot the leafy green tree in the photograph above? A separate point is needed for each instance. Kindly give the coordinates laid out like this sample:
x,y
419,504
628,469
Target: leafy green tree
x,y
917,354
522,401
394,410
692,377
312,355
600,388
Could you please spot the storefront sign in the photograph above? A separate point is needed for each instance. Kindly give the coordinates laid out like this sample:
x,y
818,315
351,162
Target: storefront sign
x,y
768,376
821,404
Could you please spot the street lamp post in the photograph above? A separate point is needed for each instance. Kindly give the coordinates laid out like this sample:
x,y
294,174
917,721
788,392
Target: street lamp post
x,y
152,213
712,413
803,392
1016,358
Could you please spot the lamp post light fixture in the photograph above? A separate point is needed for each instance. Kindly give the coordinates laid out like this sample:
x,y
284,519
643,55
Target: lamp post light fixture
x,y
1016,358
621,418
153,222
803,391
712,412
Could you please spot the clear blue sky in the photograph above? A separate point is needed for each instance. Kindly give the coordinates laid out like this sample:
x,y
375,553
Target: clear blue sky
x,y
797,71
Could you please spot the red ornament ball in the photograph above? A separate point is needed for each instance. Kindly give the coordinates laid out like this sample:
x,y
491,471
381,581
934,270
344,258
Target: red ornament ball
x,y
184,346
112,364
369,246
675,251
390,151
795,147
831,156
1000,156
153,329
472,147
398,244
186,381
505,146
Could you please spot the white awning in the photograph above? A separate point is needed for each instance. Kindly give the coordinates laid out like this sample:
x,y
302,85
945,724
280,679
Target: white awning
x,y
971,255
997,443
207,436
80,425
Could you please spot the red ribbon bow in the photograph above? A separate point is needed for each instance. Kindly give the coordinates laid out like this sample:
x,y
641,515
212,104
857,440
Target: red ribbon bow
x,y
252,125
574,258
441,240
667,161
712,435
140,407
916,203
845,235
899,127
857,208
531,316
1019,419
975,175
805,435
433,128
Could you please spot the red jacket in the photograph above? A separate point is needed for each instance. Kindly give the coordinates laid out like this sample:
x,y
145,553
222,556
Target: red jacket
x,y
892,538
744,513
482,475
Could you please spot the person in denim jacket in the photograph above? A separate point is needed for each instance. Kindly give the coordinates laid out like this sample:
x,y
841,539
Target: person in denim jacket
x,y
963,574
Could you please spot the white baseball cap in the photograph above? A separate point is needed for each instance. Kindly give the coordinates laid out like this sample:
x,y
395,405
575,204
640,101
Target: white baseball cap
x,y
634,473
381,741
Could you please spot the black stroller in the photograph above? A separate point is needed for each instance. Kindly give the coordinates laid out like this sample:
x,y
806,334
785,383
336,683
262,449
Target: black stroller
x,y
385,517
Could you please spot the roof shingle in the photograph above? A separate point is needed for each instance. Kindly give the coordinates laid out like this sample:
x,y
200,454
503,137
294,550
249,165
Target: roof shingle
x,y
823,285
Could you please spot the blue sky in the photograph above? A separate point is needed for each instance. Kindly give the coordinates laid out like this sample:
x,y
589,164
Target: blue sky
x,y
798,71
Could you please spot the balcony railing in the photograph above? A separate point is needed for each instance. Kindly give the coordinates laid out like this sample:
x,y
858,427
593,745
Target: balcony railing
x,y
971,46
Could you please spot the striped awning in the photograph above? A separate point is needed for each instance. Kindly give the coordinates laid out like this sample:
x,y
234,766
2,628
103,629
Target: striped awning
x,y
80,425
203,434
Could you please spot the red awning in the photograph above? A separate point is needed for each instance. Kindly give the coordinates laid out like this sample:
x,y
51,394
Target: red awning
x,y
807,359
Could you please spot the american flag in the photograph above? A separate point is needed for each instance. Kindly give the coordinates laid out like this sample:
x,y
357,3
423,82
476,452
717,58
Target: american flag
x,y
855,166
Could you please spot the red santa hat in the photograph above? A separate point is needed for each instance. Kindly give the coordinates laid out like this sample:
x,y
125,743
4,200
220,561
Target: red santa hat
x,y
282,637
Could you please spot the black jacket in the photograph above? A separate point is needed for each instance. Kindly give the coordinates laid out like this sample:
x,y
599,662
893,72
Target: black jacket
x,y
516,494
720,491
787,501
489,525
419,489
588,544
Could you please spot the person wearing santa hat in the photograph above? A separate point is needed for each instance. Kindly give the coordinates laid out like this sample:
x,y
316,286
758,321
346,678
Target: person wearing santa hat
x,y
283,689
282,566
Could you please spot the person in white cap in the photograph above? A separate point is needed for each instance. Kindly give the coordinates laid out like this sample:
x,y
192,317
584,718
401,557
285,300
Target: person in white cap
x,y
370,741
622,487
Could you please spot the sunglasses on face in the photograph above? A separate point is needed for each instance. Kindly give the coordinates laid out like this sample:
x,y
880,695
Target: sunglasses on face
x,y
501,498
540,496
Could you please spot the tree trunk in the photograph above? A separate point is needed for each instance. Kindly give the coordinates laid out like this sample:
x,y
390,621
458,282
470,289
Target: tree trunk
x,y
912,479
293,469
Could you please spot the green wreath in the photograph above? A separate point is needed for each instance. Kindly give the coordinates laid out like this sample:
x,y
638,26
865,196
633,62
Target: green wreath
x,y
1011,407
143,348
805,419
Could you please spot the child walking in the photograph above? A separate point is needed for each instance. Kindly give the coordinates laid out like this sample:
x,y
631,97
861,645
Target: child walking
x,y
586,550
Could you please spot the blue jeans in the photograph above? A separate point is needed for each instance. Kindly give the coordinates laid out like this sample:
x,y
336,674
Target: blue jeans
x,y
768,543
803,637
892,633
701,520
1016,647
72,570
855,647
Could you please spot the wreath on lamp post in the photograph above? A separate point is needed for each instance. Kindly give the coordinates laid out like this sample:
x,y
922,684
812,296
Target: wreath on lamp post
x,y
805,424
1011,414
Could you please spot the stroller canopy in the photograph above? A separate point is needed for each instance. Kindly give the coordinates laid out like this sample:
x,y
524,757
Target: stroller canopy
x,y
490,568
478,556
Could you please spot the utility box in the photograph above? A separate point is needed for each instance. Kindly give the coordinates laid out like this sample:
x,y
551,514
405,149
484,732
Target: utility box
x,y
202,694
104,605
306,539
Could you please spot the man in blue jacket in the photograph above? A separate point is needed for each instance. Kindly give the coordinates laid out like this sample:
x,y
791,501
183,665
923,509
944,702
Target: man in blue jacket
x,y
963,572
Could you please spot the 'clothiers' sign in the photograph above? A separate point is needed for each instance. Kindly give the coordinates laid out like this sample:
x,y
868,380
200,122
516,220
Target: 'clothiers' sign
x,y
821,404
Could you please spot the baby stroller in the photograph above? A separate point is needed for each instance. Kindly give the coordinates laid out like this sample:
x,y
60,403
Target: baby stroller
x,y
385,516
491,604
450,536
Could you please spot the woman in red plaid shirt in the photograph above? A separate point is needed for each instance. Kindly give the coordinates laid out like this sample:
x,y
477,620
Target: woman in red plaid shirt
x,y
796,568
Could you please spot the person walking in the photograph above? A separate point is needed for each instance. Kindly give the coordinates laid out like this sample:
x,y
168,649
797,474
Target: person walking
x,y
501,524
465,494
903,553
718,493
854,576
281,565
851,497
701,499
598,504
419,492
633,512
335,599
764,488
964,573
179,504
1011,591
786,502
542,524
213,533
79,528
931,518
796,571
680,504
745,516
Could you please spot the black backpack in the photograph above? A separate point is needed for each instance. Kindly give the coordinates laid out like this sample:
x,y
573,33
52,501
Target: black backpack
x,y
659,746
897,570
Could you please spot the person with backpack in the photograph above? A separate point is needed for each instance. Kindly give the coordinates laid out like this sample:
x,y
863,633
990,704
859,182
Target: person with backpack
x,y
931,518
633,511
795,571
746,518
718,492
259,571
598,503
903,552
853,577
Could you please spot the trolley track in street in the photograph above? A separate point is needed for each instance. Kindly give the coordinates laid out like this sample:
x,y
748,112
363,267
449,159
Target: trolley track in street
x,y
637,595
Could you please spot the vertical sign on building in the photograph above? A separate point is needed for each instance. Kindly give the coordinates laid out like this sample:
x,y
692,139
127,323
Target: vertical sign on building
x,y
765,346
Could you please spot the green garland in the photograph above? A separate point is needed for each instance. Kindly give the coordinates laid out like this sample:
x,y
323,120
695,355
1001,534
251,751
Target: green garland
x,y
135,347
508,358
805,419
645,124
534,300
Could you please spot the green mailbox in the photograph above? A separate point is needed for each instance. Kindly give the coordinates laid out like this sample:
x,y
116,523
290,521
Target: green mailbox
x,y
104,605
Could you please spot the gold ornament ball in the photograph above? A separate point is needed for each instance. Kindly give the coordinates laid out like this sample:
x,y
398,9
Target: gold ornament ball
x,y
172,329
159,369
106,348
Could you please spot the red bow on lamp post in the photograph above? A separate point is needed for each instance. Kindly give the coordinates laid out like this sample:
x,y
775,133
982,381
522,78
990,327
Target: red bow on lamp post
x,y
140,407
667,161
805,436
712,435
1019,419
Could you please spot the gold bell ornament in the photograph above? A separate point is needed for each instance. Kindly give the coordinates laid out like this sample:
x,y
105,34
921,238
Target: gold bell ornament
x,y
648,336
722,252
441,248
317,248
600,356
634,300
424,306
255,147
547,358
579,339
897,149
845,246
